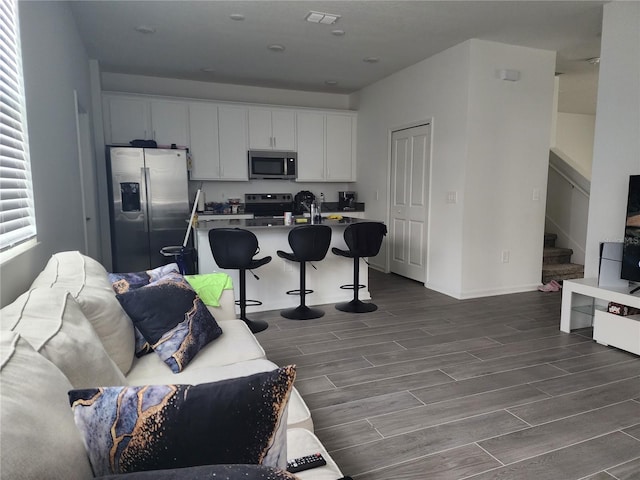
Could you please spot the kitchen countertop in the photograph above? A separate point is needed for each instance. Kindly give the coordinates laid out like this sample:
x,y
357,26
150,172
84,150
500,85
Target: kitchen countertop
x,y
266,222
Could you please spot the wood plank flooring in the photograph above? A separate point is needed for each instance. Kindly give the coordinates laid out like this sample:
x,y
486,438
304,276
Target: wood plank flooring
x,y
429,387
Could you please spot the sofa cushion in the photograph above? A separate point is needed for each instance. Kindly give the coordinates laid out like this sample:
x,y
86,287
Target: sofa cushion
x,y
38,436
53,323
238,420
208,472
87,281
298,413
172,318
236,344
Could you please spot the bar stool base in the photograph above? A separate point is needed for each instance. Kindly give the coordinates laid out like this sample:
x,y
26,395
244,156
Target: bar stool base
x,y
302,312
356,306
256,325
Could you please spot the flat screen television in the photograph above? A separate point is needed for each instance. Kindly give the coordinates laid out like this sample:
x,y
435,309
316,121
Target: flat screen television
x,y
631,248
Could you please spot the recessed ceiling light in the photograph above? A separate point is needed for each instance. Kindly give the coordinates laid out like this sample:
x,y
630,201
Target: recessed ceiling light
x,y
236,16
276,47
337,32
371,59
331,82
321,17
146,29
207,69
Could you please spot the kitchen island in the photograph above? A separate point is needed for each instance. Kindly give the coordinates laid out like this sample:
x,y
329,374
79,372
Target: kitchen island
x,y
281,275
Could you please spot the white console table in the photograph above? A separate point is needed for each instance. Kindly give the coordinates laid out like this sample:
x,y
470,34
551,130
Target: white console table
x,y
584,304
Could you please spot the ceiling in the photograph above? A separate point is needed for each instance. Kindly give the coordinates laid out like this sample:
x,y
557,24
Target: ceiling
x,y
190,36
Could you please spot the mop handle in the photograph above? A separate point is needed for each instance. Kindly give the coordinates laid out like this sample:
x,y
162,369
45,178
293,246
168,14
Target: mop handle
x,y
193,212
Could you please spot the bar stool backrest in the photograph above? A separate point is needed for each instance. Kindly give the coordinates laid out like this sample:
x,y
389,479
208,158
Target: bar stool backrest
x,y
233,247
365,238
310,243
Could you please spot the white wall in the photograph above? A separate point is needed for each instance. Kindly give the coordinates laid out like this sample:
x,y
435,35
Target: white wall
x,y
483,129
118,82
435,88
574,140
616,150
55,63
508,150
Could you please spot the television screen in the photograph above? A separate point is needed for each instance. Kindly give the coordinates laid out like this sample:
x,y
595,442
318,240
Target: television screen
x,y
631,248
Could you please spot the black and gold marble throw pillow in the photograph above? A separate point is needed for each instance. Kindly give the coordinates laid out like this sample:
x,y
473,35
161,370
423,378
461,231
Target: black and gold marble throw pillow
x,y
209,472
138,428
172,318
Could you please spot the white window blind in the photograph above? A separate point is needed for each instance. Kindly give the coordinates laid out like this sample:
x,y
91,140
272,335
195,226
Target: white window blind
x,y
17,219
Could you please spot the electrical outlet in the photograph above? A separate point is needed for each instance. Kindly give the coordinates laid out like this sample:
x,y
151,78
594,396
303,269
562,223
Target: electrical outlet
x,y
536,195
505,256
452,197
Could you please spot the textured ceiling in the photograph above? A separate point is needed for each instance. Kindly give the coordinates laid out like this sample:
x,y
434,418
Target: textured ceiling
x,y
190,36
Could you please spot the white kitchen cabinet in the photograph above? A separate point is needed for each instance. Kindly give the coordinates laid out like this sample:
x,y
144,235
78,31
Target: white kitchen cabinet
x,y
218,142
271,129
126,119
340,147
139,118
326,147
170,122
232,135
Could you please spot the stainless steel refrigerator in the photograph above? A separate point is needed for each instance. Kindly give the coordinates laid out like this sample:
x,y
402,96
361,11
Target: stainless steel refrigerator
x,y
148,204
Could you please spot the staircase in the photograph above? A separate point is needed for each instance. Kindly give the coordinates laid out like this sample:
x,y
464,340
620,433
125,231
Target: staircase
x,y
556,262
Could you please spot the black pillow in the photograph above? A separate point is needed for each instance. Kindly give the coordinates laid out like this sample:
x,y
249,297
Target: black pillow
x,y
172,319
235,421
209,472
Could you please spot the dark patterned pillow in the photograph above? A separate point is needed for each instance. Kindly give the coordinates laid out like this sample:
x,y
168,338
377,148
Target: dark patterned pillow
x,y
172,319
235,421
208,472
123,282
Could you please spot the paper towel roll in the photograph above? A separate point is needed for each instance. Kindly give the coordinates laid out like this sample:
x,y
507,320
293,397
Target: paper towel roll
x,y
201,202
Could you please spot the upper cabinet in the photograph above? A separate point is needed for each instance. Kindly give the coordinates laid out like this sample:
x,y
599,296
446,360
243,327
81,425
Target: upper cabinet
x,y
218,135
326,147
218,142
129,118
272,129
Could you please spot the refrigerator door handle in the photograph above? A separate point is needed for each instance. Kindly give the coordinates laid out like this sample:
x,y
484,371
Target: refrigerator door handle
x,y
144,177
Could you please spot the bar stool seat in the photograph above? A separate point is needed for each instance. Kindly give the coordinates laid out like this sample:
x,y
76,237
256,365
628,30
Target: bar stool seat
x,y
364,240
234,248
310,243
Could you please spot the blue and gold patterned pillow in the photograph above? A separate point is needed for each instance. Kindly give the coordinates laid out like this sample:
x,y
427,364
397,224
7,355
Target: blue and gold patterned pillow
x,y
172,318
209,472
235,421
123,282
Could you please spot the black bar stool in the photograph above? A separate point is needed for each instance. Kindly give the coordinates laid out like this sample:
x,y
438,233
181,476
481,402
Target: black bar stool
x,y
364,240
309,243
234,248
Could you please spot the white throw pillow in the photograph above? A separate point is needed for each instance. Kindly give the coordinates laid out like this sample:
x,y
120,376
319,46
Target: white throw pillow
x,y
53,323
87,281
39,437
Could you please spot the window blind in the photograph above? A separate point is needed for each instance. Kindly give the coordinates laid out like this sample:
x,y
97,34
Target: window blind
x,y
17,219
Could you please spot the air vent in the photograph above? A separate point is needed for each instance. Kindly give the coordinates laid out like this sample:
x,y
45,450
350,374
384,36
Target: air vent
x,y
321,17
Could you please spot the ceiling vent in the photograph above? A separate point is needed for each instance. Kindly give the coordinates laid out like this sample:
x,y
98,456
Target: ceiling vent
x,y
320,17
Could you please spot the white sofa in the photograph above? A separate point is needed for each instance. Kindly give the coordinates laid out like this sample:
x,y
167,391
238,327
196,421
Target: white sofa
x,y
71,317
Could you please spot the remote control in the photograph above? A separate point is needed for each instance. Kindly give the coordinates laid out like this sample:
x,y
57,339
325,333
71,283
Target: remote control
x,y
305,463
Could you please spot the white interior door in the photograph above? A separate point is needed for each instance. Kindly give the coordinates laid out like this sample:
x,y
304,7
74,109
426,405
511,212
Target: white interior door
x,y
88,184
410,158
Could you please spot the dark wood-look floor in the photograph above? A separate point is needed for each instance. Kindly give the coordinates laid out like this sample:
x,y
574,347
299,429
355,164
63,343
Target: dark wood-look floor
x,y
429,387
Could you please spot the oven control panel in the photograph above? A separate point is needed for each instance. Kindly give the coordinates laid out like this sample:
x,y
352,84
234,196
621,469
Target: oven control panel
x,y
267,197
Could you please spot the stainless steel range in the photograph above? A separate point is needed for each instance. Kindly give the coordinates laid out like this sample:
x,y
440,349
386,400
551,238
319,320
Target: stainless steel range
x,y
268,204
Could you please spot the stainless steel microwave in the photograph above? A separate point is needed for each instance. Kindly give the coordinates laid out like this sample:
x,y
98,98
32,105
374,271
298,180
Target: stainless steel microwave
x,y
273,164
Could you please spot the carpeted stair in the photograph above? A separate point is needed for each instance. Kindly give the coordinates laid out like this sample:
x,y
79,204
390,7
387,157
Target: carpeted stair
x,y
556,262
